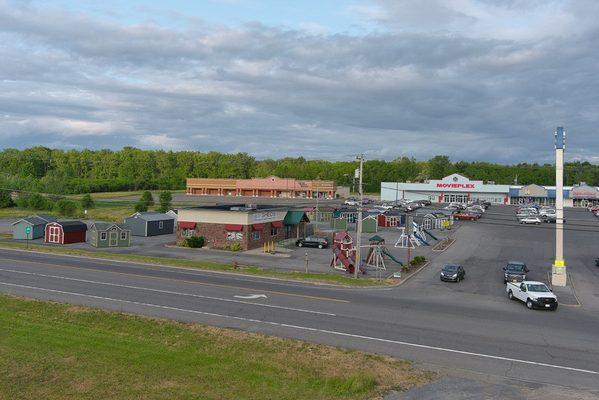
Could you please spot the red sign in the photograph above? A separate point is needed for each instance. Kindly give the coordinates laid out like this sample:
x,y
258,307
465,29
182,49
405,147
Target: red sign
x,y
456,185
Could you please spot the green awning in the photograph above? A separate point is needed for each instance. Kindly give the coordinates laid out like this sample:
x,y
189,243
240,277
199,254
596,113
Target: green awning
x,y
295,217
376,238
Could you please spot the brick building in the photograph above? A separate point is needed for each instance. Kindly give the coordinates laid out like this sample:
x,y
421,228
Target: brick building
x,y
262,187
251,227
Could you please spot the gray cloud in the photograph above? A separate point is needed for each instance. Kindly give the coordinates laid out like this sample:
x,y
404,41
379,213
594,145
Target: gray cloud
x,y
78,81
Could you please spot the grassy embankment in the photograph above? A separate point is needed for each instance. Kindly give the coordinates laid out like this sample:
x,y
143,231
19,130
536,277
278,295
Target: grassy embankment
x,y
56,351
328,278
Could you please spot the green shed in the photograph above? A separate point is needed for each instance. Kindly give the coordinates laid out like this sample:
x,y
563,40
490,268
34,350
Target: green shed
x,y
106,234
369,225
339,224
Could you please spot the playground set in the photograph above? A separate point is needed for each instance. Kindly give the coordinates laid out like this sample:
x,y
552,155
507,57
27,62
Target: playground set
x,y
344,251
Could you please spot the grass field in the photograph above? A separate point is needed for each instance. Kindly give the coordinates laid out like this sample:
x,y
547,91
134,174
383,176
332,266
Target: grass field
x,y
56,351
330,278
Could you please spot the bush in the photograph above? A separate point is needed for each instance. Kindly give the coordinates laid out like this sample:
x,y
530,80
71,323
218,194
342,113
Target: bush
x,y
236,247
165,199
405,268
140,206
33,201
5,199
87,202
147,198
226,246
66,208
195,242
418,260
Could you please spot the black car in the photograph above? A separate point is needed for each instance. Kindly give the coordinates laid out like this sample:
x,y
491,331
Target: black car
x,y
452,273
515,271
312,241
597,262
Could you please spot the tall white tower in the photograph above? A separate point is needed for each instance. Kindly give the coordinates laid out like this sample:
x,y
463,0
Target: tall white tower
x,y
558,272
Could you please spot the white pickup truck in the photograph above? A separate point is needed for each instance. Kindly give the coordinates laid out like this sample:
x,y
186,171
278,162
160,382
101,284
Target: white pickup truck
x,y
534,294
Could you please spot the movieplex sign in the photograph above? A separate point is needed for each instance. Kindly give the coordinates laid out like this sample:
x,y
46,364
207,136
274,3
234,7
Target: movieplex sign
x,y
456,185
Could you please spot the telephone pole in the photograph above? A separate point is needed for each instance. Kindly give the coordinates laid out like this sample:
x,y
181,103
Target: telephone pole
x,y
558,272
359,222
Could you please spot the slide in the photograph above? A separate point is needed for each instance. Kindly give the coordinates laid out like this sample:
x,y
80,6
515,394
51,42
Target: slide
x,y
348,264
386,252
430,234
420,238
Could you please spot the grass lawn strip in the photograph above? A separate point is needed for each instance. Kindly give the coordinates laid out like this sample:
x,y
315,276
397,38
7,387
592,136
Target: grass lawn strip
x,y
326,278
57,351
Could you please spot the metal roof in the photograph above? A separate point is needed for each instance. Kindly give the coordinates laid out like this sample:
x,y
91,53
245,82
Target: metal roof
x,y
152,216
104,226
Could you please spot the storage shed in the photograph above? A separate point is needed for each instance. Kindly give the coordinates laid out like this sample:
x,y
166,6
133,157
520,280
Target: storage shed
x,y
369,224
391,219
150,224
65,232
36,225
105,234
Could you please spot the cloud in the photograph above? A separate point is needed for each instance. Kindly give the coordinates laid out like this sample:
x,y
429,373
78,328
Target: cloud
x,y
404,89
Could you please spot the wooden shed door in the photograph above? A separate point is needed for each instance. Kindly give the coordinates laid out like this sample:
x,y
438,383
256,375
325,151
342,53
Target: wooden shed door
x,y
113,239
54,234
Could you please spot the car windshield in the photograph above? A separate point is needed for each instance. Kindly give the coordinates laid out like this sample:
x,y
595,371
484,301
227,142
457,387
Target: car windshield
x,y
450,268
537,287
515,267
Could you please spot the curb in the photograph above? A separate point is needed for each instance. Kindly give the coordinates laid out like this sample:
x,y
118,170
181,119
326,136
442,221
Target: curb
x,y
209,271
573,292
416,272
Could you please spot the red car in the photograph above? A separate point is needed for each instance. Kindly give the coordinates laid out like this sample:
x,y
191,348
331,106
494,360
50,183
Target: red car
x,y
466,216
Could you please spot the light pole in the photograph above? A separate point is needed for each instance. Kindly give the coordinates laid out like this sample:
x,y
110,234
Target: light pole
x,y
558,272
359,222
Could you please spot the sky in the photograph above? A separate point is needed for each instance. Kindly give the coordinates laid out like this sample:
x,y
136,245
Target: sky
x,y
477,80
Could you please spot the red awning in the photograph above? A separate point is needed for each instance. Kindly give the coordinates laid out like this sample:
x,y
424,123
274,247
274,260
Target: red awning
x,y
277,224
186,225
233,227
258,227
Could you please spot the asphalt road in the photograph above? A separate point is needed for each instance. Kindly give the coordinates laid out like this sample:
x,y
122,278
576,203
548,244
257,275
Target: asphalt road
x,y
459,332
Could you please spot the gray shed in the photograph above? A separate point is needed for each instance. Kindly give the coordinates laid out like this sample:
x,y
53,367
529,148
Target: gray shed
x,y
107,234
150,224
36,223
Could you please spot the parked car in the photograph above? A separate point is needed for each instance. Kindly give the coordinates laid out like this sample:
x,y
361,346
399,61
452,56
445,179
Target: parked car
x,y
530,220
351,202
597,262
533,294
424,203
515,271
464,215
452,273
311,241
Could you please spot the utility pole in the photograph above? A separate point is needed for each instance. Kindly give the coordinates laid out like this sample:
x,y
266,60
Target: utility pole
x,y
558,272
359,222
306,262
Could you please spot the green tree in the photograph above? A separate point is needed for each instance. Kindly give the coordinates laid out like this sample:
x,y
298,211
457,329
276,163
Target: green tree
x,y
87,202
439,167
165,200
147,198
65,207
5,199
140,206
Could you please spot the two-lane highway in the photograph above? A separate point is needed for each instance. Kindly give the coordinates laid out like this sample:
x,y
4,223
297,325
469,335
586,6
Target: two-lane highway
x,y
446,329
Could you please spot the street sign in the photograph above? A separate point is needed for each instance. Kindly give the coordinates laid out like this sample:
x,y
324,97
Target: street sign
x,y
27,230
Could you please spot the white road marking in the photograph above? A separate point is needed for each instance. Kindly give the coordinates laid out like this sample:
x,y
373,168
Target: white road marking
x,y
305,328
251,296
170,292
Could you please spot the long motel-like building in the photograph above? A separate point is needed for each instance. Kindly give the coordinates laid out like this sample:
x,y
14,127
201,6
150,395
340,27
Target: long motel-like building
x,y
262,187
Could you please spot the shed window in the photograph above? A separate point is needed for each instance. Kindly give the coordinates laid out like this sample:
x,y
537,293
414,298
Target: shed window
x,y
102,235
160,224
123,235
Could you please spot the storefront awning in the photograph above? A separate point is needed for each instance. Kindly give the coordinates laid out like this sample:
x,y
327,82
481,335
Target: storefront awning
x,y
186,225
233,227
277,224
258,227
295,217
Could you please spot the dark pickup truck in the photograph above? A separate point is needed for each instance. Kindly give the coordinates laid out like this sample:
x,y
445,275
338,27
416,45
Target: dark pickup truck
x,y
514,271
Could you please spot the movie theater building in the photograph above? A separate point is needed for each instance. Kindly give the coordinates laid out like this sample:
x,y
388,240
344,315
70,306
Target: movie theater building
x,y
452,188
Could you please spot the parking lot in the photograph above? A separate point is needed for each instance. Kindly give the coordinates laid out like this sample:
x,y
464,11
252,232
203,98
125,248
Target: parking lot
x,y
483,248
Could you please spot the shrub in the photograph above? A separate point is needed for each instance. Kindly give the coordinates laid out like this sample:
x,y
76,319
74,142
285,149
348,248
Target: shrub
x,y
65,208
34,201
405,268
195,242
140,206
147,198
236,247
226,246
165,199
5,199
418,260
87,202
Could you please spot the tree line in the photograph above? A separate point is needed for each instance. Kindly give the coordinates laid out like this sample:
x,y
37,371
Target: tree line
x,y
57,171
